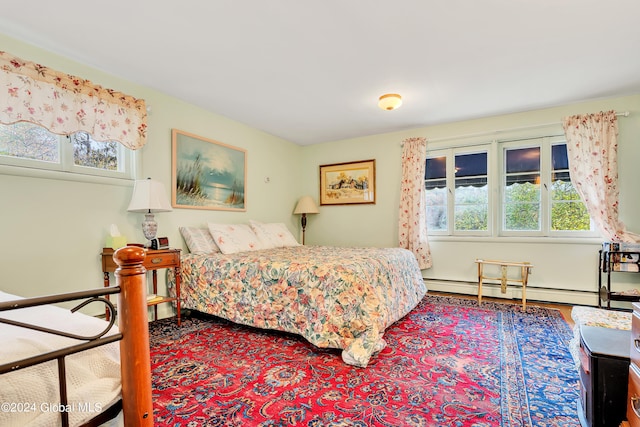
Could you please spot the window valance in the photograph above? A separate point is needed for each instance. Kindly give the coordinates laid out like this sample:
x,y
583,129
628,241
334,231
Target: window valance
x,y
65,104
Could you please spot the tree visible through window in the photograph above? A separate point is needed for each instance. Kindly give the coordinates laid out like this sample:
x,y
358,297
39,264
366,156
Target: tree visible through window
x,y
536,196
471,200
28,141
567,210
522,189
32,146
436,193
456,184
94,154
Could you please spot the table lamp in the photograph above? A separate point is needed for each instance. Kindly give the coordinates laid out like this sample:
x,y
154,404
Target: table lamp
x,y
149,197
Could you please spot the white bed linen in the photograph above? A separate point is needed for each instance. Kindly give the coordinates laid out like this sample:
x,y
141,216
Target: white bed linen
x,y
30,396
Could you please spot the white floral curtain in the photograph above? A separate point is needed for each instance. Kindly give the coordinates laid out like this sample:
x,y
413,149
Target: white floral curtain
x,y
65,104
413,217
592,148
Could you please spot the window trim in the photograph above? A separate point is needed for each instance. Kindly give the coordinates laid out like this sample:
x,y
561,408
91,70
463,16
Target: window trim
x,y
521,144
477,148
12,170
450,154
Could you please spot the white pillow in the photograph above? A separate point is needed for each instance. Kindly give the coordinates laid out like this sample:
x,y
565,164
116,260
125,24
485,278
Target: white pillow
x,y
232,238
199,240
273,235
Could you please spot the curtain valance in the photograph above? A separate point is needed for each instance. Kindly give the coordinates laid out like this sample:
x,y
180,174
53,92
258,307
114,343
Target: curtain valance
x,y
65,104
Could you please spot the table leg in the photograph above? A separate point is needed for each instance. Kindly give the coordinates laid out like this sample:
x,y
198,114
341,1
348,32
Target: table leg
x,y
178,280
154,276
479,283
525,279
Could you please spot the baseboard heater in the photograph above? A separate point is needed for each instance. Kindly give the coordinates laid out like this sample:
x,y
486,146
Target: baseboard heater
x,y
534,293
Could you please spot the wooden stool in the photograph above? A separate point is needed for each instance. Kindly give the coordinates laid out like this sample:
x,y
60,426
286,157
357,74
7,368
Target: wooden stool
x,y
525,270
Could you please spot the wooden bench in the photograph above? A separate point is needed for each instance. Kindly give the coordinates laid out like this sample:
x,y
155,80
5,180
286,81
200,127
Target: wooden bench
x,y
525,270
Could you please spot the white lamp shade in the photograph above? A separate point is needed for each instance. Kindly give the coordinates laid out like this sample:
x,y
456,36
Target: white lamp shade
x,y
306,205
149,196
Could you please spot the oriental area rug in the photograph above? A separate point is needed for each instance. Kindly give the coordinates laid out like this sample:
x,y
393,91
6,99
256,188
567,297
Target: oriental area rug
x,y
447,363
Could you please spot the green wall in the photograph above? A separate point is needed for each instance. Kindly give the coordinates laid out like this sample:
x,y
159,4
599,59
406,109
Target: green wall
x,y
565,269
52,230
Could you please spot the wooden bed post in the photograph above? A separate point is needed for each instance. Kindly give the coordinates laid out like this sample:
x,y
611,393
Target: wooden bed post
x,y
135,359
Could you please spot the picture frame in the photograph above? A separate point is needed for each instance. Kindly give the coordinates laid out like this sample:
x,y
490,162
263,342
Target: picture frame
x,y
207,174
348,183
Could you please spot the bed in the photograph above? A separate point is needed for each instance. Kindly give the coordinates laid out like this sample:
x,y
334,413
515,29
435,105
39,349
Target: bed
x,y
106,373
341,298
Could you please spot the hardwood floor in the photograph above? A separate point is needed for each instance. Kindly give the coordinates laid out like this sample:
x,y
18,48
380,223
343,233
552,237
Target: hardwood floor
x,y
565,309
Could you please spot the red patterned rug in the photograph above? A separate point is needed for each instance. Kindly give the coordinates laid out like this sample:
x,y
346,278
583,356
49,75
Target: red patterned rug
x,y
447,363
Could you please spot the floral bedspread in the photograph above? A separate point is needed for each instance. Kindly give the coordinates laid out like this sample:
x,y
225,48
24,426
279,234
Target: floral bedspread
x,y
334,297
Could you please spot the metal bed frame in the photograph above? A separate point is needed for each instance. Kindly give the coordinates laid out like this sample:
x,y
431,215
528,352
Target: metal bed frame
x,y
130,286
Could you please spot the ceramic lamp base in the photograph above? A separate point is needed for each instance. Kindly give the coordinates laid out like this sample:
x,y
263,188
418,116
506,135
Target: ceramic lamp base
x,y
149,226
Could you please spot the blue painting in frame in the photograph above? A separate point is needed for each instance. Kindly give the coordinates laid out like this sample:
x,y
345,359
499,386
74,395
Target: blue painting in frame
x,y
207,174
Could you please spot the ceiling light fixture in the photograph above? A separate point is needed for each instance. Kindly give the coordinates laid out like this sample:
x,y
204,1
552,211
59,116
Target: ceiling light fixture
x,y
390,101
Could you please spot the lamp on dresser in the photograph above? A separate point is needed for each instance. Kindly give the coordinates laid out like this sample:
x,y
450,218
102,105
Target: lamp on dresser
x,y
305,206
149,197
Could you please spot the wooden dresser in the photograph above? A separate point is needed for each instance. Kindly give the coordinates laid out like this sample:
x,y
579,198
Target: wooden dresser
x,y
633,395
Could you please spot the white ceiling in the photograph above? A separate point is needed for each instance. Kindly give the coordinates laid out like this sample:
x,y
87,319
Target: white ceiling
x,y
312,72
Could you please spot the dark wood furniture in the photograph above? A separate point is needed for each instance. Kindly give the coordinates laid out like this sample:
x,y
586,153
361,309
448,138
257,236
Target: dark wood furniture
x,y
616,261
604,369
155,259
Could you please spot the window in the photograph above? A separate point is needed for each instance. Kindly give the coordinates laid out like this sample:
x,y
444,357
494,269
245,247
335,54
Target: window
x,y
521,189
31,146
533,191
456,183
567,210
436,191
471,200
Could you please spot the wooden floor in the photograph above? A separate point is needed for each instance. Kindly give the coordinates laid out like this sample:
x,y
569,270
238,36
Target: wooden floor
x,y
565,309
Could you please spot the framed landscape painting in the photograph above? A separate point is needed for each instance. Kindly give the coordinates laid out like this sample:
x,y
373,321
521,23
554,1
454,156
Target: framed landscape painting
x,y
348,183
207,174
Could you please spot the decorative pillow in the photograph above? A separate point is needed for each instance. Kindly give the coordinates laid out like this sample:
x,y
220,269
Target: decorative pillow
x,y
199,240
232,238
273,235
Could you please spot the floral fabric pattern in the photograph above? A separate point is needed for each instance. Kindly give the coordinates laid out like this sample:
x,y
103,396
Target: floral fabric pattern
x,y
412,221
233,238
592,148
591,316
340,298
65,104
199,240
273,234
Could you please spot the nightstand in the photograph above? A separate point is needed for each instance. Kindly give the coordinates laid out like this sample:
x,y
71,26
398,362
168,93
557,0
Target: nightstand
x,y
155,259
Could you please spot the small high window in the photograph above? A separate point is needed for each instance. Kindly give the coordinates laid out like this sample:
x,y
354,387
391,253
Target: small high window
x,y
31,146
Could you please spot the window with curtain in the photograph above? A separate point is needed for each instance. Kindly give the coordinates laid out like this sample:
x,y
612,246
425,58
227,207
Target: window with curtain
x,y
33,147
55,121
529,193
